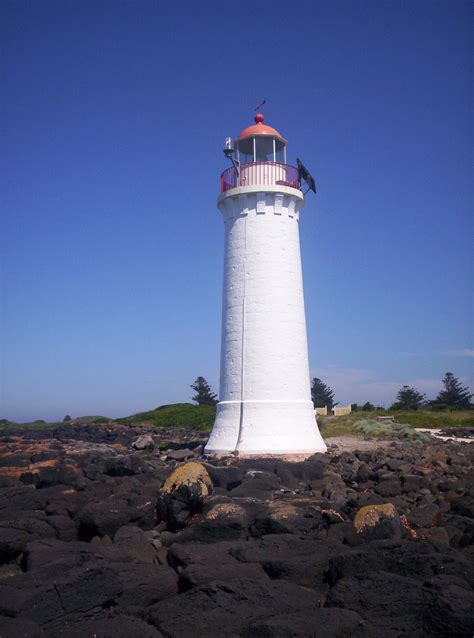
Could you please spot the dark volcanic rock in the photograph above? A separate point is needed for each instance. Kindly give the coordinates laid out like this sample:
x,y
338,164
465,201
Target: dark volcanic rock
x,y
388,487
228,606
109,541
124,466
376,522
199,574
111,626
16,533
289,557
105,518
425,516
144,585
183,494
60,475
448,607
19,628
256,484
310,623
391,604
63,526
419,560
286,517
225,477
413,483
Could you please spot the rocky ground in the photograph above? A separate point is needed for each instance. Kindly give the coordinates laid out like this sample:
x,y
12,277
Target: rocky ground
x,y
98,538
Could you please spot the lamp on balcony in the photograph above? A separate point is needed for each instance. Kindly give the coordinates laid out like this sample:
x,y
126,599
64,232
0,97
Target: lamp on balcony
x,y
229,153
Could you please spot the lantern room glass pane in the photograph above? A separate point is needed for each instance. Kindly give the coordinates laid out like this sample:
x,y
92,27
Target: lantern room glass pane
x,y
246,150
280,151
264,149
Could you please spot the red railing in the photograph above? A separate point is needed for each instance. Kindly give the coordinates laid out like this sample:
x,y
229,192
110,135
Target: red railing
x,y
261,174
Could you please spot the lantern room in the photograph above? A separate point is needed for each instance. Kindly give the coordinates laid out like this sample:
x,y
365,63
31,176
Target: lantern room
x,y
258,157
260,143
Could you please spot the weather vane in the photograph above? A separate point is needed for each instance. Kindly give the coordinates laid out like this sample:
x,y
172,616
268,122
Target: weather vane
x,y
260,104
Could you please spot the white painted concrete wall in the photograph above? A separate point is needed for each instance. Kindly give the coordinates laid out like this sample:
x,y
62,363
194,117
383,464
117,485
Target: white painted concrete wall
x,y
342,410
265,401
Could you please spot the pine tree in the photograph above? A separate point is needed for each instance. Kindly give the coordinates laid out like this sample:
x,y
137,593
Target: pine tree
x,y
204,395
408,398
322,394
454,395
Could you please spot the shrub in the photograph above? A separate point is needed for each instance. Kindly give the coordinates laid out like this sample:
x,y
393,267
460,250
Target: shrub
x,y
390,430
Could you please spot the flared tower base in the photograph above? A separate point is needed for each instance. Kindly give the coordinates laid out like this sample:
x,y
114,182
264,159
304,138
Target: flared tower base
x,y
259,428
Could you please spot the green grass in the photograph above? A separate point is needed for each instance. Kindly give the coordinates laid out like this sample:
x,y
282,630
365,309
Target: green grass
x,y
187,415
43,425
344,425
33,425
433,419
335,426
91,419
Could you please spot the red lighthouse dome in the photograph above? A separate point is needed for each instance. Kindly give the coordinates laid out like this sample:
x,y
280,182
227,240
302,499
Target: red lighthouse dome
x,y
259,128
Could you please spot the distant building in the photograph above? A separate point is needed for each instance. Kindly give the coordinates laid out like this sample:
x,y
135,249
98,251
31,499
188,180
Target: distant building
x,y
322,411
342,410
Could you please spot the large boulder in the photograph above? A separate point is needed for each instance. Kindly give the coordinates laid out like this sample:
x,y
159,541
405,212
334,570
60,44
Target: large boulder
x,y
16,533
389,487
374,522
183,494
257,485
286,517
144,442
428,515
220,520
103,518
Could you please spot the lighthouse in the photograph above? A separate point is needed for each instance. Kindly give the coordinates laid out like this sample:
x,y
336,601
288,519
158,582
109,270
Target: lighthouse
x,y
265,405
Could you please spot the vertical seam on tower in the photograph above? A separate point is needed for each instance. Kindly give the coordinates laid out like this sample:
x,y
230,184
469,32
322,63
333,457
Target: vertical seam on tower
x,y
242,351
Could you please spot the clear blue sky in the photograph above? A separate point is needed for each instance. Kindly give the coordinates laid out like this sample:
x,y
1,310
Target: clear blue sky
x,y
113,120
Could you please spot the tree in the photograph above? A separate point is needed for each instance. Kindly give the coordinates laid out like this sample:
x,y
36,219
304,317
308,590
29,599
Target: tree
x,y
354,407
454,395
66,418
408,398
367,407
322,394
204,395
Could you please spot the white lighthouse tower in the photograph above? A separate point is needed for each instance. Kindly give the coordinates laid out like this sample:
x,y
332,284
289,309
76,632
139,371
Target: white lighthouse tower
x,y
265,402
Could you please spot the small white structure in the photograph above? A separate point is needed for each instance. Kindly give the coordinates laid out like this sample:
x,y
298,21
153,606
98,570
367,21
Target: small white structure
x,y
321,411
342,410
265,402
